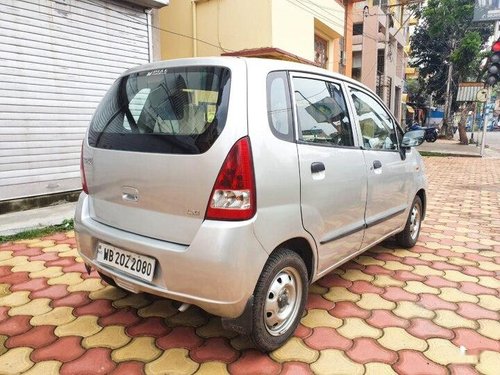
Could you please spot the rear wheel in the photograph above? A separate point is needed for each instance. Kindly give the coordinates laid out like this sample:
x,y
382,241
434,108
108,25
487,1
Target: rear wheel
x,y
432,137
279,299
409,236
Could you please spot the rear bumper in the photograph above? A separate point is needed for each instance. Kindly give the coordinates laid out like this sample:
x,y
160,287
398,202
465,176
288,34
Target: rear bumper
x,y
218,271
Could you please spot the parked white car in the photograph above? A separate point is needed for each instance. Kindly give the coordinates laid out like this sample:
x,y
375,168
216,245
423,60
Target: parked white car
x,y
233,183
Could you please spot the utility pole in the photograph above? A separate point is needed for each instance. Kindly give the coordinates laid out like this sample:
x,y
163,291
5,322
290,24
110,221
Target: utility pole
x,y
385,83
447,101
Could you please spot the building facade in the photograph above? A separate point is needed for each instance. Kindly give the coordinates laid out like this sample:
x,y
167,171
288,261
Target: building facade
x,y
58,58
380,31
310,31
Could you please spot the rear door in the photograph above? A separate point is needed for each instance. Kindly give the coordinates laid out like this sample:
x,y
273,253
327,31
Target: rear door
x,y
156,144
332,168
389,177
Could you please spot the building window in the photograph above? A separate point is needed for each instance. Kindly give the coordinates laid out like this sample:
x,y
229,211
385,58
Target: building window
x,y
320,51
357,29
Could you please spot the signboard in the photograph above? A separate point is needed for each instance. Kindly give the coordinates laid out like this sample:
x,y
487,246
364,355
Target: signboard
x,y
487,10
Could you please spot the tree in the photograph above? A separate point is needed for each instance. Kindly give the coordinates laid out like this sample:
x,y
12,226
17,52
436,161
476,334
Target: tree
x,y
446,40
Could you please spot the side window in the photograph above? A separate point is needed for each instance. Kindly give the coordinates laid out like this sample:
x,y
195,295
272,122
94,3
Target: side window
x,y
377,126
279,108
322,113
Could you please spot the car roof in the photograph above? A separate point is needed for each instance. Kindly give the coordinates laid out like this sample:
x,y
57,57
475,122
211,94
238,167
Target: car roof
x,y
262,63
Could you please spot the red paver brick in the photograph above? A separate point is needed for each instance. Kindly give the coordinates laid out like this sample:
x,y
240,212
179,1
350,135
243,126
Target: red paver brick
x,y
377,270
433,302
475,271
439,282
425,329
474,342
386,257
15,278
385,318
474,311
5,270
302,331
36,337
447,241
75,267
347,309
30,252
17,247
93,361
327,338
5,245
75,299
407,276
445,266
15,325
253,362
61,262
214,349
4,313
100,308
123,317
53,292
396,294
365,350
420,249
295,368
46,257
462,370
476,257
316,301
129,368
476,246
361,287
415,363
351,266
180,337
153,326
332,279
64,349
475,288
446,253
31,285
68,241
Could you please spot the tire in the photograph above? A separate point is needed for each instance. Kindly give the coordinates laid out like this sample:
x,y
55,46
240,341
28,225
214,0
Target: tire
x,y
409,236
278,302
432,138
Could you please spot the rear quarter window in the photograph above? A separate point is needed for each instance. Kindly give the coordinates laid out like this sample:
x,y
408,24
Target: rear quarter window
x,y
169,110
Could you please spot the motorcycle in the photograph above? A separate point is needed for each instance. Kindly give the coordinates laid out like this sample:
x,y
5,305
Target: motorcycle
x,y
431,133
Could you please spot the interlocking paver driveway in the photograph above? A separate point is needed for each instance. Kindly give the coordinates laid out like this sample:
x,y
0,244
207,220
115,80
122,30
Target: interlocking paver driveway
x,y
433,309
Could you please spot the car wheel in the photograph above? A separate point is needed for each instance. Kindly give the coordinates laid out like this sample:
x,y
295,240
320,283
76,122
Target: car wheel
x,y
279,299
409,236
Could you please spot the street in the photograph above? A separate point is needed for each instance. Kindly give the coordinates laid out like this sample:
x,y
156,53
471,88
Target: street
x,y
433,309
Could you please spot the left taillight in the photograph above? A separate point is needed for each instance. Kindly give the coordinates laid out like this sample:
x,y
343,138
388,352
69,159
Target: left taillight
x,y
82,174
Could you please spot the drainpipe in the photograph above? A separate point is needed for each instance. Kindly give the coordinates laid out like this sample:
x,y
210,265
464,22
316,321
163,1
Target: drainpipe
x,y
150,34
195,32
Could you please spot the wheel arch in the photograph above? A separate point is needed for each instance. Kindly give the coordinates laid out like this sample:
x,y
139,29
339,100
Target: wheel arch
x,y
423,197
303,248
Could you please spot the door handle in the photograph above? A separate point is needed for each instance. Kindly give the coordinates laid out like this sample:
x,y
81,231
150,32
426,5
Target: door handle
x,y
317,167
377,164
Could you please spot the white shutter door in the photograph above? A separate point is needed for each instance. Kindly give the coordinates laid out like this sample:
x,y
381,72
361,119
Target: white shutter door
x,y
57,59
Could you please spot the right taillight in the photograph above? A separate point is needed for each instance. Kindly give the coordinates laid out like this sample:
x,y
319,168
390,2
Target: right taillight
x,y
82,174
233,195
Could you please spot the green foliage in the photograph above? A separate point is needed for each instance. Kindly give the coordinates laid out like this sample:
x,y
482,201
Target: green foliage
x,y
34,233
447,34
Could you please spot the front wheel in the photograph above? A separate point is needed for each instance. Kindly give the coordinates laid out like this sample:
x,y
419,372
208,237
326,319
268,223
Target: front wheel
x,y
432,137
409,236
279,299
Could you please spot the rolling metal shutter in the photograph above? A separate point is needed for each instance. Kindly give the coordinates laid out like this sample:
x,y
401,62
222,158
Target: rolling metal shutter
x,y
57,59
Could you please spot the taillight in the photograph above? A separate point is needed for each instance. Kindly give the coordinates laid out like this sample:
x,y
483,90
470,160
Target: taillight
x,y
82,174
233,195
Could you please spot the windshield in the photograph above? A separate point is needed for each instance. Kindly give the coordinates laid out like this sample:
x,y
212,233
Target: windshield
x,y
169,110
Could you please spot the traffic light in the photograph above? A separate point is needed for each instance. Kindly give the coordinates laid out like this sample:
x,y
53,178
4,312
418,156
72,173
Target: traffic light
x,y
494,64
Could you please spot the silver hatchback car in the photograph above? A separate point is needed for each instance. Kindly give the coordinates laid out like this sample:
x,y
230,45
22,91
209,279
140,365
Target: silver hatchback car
x,y
232,184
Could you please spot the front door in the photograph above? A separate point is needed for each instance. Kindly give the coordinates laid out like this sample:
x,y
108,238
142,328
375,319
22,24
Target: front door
x,y
332,169
389,178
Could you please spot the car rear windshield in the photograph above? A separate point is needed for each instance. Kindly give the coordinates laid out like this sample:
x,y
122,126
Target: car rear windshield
x,y
168,110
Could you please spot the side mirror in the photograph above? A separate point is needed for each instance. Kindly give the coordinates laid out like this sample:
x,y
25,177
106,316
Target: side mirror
x,y
413,138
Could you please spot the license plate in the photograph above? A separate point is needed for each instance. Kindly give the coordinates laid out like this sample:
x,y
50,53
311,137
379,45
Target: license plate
x,y
137,265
